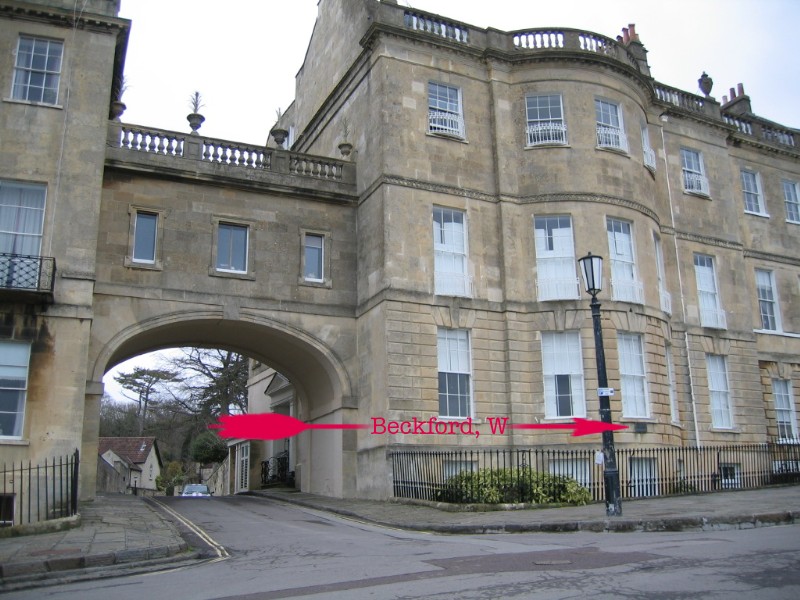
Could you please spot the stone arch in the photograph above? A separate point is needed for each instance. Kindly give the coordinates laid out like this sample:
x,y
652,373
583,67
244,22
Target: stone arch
x,y
321,381
306,360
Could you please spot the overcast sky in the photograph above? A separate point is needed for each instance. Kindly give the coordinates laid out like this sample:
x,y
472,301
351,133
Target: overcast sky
x,y
242,55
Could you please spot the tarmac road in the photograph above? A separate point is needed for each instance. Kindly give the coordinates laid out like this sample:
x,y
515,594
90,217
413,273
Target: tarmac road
x,y
262,549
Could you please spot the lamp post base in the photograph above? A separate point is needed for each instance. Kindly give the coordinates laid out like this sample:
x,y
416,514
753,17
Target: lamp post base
x,y
613,499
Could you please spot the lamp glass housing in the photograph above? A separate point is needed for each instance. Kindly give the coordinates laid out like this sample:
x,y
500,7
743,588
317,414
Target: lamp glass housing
x,y
592,271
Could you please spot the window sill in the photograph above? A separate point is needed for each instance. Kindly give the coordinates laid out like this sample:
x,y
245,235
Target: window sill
x,y
549,145
212,272
735,430
757,214
325,283
778,333
31,103
697,194
614,150
11,441
133,264
447,136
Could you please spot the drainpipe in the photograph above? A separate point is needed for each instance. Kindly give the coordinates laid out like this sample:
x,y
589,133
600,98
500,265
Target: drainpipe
x,y
680,289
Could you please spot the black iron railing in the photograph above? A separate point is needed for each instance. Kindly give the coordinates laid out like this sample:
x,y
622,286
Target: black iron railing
x,y
644,472
275,469
28,273
33,493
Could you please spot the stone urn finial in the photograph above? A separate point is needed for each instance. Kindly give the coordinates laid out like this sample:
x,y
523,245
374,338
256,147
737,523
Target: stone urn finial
x,y
117,108
706,83
279,134
195,118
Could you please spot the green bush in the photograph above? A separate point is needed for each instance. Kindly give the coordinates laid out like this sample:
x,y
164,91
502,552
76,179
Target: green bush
x,y
512,486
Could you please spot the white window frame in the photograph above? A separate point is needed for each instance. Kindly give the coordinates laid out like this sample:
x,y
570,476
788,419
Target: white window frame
x,y
22,202
625,283
665,298
785,412
242,479
693,171
451,277
556,278
319,263
648,154
610,125
633,376
543,128
445,110
730,475
579,469
708,298
791,199
454,353
643,476
768,306
752,195
15,366
22,213
562,364
49,72
222,268
151,246
719,392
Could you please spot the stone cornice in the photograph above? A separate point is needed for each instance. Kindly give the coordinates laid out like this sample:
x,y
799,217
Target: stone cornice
x,y
596,198
768,256
428,186
738,139
61,17
231,177
709,241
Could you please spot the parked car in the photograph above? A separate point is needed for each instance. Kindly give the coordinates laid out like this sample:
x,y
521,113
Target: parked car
x,y
196,490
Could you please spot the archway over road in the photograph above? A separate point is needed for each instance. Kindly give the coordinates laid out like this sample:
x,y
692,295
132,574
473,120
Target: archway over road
x,y
325,463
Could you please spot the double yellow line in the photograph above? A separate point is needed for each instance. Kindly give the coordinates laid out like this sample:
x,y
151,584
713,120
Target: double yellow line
x,y
219,549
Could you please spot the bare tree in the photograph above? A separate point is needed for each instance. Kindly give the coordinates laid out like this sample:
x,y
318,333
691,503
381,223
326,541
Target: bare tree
x,y
214,381
147,385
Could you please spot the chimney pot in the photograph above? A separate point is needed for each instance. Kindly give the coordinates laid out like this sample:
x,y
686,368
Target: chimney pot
x,y
632,28
625,35
724,99
732,92
740,89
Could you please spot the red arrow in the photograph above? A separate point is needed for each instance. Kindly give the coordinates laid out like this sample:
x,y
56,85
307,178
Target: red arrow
x,y
580,426
274,426
269,426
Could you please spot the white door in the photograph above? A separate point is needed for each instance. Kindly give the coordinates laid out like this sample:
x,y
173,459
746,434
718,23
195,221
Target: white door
x,y
242,468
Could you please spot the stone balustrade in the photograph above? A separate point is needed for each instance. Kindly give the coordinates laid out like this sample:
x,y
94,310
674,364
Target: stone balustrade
x,y
172,150
680,98
420,21
572,40
761,130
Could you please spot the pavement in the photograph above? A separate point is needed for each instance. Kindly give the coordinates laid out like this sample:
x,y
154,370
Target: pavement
x,y
120,534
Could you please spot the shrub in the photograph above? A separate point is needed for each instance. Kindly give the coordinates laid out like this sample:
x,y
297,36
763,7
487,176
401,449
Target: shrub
x,y
511,486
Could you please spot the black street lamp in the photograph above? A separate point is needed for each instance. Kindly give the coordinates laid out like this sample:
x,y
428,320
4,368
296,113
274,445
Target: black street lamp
x,y
592,271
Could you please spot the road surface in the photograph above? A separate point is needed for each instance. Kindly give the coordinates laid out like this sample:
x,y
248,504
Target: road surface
x,y
275,551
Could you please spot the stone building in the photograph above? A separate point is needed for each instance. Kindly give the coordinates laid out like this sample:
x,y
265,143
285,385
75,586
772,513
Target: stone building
x,y
410,250
488,162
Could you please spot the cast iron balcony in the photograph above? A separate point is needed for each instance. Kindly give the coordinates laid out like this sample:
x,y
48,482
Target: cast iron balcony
x,y
26,278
